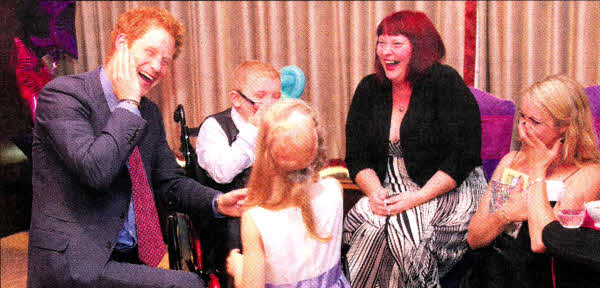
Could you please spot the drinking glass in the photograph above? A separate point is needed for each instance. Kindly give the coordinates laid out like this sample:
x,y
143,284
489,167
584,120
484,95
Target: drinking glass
x,y
571,209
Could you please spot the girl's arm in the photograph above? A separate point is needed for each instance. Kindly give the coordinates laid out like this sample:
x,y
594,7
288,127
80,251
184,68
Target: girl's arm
x,y
254,254
248,270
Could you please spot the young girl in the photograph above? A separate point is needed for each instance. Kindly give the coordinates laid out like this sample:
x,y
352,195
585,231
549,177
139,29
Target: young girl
x,y
291,231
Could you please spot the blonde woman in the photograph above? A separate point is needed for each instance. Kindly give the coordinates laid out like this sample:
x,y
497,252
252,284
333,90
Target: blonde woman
x,y
559,149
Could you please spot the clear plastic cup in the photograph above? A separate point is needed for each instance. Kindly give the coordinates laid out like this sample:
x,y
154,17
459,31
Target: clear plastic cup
x,y
571,209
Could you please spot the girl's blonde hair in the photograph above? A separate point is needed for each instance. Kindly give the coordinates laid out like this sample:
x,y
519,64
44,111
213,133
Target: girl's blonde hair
x,y
566,101
298,166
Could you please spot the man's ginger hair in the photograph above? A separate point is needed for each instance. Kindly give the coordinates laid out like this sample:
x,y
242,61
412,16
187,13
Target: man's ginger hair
x,y
135,23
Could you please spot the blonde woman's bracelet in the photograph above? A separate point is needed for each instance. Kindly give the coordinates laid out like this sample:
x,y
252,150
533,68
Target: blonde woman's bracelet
x,y
503,215
536,181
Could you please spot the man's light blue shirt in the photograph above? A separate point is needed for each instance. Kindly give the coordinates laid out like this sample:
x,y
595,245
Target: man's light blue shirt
x,y
128,236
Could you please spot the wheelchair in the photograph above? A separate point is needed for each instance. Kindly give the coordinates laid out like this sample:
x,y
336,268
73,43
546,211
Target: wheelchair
x,y
184,245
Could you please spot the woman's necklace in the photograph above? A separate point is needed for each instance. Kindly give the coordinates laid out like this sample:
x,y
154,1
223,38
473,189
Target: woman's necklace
x,y
401,104
402,97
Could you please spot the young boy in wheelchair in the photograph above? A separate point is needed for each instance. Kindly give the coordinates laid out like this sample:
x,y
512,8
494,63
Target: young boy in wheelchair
x,y
225,150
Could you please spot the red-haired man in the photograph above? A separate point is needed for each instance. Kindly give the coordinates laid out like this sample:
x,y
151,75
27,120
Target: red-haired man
x,y
101,162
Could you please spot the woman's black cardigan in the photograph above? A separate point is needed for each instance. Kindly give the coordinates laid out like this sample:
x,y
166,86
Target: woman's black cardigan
x,y
440,131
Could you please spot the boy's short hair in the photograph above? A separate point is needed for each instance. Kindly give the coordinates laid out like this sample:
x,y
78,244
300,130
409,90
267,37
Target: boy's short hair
x,y
252,68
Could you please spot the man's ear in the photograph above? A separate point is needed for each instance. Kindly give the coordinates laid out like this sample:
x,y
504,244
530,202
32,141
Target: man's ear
x,y
120,40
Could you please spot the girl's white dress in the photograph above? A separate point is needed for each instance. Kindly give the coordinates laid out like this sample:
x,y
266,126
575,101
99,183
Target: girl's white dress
x,y
292,257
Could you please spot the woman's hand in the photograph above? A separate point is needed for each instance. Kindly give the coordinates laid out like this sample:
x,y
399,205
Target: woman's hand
x,y
383,205
235,262
378,201
515,209
538,156
402,202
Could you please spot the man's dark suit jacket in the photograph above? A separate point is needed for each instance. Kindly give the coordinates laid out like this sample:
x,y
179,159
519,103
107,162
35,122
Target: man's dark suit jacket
x,y
81,184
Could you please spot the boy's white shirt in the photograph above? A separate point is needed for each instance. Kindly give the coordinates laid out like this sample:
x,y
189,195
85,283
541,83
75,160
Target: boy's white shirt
x,y
221,161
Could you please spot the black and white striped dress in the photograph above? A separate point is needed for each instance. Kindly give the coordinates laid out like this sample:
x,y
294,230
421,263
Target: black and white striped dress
x,y
416,247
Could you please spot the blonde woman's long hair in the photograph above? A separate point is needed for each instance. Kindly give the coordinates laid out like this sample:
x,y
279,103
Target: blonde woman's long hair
x,y
298,173
566,101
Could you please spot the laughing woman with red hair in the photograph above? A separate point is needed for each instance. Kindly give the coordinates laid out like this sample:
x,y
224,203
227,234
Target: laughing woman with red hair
x,y
413,140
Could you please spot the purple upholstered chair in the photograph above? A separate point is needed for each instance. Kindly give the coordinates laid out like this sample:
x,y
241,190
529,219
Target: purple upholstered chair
x,y
593,93
496,128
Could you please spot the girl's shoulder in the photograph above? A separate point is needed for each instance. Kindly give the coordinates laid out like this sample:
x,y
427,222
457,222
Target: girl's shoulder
x,y
254,211
263,216
326,185
330,182
327,189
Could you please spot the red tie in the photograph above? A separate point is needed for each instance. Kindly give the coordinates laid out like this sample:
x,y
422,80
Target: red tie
x,y
151,247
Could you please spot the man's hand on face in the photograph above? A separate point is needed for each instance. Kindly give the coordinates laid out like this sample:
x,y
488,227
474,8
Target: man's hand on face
x,y
124,75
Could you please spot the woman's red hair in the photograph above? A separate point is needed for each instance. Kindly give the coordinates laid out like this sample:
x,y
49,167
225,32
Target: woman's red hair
x,y
427,45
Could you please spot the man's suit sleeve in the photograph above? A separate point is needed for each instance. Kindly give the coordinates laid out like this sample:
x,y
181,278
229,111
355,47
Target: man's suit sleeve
x,y
178,191
577,245
64,114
